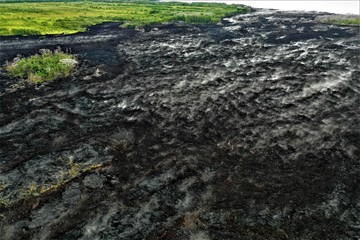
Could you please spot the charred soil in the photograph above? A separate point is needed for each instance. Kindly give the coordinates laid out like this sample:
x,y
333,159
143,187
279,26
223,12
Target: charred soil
x,y
244,130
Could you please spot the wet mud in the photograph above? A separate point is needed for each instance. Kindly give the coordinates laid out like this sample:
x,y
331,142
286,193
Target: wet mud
x,y
244,130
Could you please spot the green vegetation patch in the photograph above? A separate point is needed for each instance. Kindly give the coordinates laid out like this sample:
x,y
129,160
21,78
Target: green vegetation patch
x,y
351,21
343,20
46,66
40,18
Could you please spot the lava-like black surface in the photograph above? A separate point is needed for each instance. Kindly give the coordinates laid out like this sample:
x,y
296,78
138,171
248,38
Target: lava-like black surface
x,y
245,130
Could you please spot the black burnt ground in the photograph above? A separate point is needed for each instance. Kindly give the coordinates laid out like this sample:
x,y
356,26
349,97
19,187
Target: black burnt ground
x,y
246,130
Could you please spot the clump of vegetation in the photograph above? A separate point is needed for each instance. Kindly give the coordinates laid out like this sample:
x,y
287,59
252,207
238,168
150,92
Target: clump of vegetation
x,y
46,66
4,202
39,18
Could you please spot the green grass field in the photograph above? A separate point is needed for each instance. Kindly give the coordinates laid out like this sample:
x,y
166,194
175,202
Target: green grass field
x,y
39,18
341,19
350,21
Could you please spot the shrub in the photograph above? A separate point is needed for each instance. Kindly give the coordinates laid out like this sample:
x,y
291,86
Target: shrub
x,y
48,65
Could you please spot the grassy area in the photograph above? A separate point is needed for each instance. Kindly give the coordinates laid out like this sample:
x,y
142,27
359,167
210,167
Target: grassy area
x,y
38,18
42,67
349,21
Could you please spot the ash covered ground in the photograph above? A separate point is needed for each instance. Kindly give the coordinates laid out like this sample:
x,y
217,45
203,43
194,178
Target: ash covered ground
x,y
245,130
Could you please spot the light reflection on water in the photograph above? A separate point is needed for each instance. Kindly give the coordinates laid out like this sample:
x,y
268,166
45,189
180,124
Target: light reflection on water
x,y
343,7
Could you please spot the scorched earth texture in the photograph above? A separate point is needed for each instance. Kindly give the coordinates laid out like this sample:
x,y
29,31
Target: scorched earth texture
x,y
246,130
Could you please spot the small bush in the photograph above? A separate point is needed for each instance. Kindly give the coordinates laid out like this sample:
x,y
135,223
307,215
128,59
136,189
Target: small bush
x,y
48,65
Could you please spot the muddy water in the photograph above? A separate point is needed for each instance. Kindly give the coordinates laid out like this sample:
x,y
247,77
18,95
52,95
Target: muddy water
x,y
246,130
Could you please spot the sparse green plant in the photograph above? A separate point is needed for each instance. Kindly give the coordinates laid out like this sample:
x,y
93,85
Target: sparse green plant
x,y
4,202
3,186
33,189
48,65
74,168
